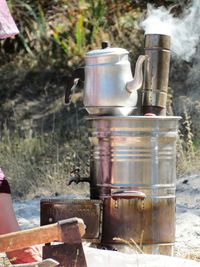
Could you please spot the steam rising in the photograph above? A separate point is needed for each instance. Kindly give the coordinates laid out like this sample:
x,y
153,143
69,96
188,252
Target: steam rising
x,y
184,30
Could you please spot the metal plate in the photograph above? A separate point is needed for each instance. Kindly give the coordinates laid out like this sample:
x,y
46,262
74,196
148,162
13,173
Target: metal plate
x,y
53,210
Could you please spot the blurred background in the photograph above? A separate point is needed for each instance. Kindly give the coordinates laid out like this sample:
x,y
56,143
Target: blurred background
x,y
41,138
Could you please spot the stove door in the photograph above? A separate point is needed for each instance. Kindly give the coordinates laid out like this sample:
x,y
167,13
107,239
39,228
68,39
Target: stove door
x,y
53,210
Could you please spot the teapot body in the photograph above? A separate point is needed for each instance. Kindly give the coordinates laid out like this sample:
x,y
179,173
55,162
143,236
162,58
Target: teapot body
x,y
107,72
109,86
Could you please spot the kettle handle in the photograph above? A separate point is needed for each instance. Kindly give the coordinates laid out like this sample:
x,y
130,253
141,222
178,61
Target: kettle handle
x,y
77,78
137,81
133,194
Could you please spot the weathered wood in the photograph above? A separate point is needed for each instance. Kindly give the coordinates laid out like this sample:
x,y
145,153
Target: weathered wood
x,y
44,263
61,231
68,255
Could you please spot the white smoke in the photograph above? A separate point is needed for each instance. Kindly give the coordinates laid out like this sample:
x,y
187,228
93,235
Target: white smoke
x,y
184,30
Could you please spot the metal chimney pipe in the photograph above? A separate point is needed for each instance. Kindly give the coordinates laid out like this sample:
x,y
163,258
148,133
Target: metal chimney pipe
x,y
156,74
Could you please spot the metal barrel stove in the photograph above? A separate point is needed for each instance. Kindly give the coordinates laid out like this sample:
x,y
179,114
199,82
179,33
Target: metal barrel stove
x,y
133,170
133,158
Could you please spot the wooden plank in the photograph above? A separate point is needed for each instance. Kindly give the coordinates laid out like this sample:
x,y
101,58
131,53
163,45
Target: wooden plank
x,y
61,231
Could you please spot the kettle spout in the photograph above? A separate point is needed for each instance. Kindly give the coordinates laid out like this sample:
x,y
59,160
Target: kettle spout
x,y
137,81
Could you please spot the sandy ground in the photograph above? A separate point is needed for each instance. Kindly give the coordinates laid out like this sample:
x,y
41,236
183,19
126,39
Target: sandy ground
x,y
188,213
187,220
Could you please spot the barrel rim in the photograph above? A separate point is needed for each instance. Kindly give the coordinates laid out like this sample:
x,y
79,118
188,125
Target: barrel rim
x,y
142,118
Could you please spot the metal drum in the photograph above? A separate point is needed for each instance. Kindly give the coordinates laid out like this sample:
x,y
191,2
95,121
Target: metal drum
x,y
133,170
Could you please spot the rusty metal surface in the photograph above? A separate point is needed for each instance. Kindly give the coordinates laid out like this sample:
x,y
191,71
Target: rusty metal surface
x,y
68,255
148,221
53,210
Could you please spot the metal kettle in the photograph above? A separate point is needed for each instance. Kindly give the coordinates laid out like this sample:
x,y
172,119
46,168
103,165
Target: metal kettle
x,y
109,87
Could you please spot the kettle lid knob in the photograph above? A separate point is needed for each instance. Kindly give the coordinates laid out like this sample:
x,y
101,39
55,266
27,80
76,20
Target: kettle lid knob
x,y
105,44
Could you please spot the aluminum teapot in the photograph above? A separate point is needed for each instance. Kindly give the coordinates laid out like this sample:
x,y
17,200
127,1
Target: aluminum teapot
x,y
109,87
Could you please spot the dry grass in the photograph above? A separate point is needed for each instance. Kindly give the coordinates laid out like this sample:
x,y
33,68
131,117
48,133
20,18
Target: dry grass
x,y
137,248
188,254
39,164
37,161
131,244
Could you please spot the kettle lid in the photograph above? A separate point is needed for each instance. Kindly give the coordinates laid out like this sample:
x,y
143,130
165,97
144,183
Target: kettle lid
x,y
106,50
